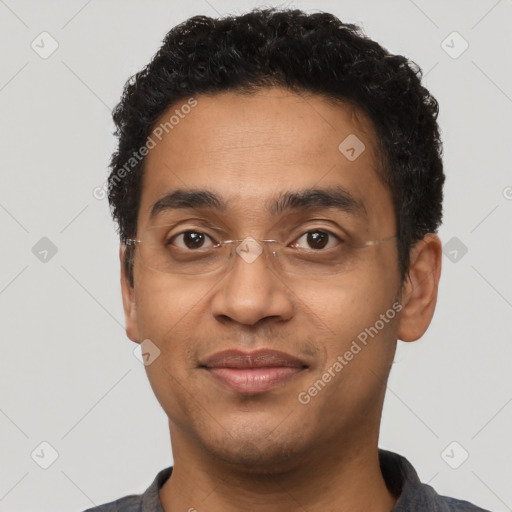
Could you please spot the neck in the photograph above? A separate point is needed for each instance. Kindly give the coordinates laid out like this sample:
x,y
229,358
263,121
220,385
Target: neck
x,y
346,477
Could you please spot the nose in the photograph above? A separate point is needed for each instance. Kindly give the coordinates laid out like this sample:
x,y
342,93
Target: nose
x,y
252,291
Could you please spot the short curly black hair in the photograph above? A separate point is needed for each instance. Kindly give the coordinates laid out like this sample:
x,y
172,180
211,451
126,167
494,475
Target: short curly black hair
x,y
314,53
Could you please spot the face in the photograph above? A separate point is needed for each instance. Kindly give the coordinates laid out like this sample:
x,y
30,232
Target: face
x,y
260,367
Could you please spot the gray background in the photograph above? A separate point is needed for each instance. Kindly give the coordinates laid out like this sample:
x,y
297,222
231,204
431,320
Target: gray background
x,y
68,373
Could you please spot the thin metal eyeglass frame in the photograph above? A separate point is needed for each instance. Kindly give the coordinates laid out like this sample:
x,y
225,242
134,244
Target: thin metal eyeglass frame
x,y
135,242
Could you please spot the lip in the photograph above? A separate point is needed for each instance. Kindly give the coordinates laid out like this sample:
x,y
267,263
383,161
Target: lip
x,y
253,372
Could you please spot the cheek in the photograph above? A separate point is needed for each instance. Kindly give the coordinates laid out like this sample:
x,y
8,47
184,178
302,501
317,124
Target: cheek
x,y
362,322
164,304
360,311
351,302
168,314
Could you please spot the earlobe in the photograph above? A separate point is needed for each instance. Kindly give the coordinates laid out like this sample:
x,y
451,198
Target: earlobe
x,y
128,295
419,291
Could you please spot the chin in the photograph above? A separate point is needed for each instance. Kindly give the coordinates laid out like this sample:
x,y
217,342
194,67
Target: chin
x,y
255,451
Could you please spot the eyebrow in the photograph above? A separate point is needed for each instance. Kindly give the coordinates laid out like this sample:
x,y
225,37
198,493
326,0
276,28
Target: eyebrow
x,y
182,199
335,197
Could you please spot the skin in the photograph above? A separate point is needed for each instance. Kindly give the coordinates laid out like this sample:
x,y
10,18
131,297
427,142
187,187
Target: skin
x,y
269,452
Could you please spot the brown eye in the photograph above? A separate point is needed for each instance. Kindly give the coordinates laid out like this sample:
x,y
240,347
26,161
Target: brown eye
x,y
189,240
316,240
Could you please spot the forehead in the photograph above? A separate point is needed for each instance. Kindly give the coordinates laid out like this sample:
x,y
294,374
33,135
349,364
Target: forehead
x,y
250,148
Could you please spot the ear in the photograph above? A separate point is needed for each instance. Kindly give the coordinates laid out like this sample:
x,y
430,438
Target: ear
x,y
128,294
419,291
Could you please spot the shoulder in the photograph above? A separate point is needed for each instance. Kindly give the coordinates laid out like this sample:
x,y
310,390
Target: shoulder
x,y
403,481
454,505
130,503
149,501
425,498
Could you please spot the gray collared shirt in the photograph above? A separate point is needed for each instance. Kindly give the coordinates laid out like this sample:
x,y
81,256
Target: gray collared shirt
x,y
399,475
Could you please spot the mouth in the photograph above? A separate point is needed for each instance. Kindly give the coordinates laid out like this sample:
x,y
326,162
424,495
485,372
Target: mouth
x,y
253,372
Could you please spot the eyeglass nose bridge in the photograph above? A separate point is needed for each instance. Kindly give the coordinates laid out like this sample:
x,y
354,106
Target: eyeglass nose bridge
x,y
250,249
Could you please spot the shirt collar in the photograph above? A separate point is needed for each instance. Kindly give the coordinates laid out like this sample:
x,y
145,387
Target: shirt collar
x,y
400,477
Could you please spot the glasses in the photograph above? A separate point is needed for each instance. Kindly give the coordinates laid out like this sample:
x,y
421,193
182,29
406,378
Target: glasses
x,y
198,254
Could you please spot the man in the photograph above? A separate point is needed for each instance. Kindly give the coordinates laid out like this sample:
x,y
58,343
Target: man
x,y
278,187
